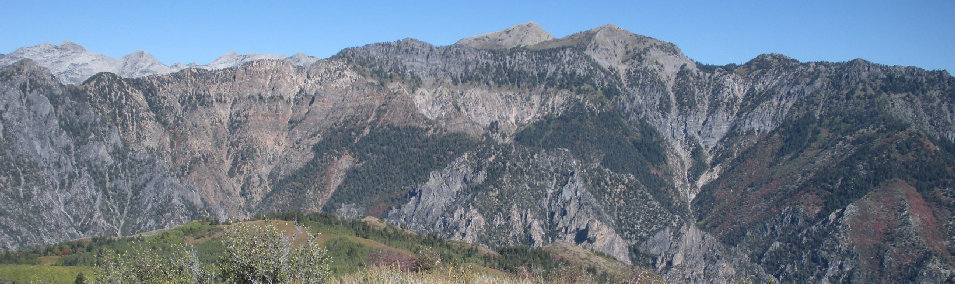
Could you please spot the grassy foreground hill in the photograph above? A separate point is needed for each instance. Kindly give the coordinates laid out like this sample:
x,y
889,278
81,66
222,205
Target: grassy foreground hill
x,y
360,251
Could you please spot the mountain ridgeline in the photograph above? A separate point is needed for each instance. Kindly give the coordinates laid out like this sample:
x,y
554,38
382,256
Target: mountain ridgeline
x,y
770,170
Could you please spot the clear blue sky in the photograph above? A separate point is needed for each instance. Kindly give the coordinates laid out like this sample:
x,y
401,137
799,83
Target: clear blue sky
x,y
919,33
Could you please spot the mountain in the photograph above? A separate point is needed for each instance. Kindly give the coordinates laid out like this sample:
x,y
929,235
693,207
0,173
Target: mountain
x,y
520,35
73,64
773,169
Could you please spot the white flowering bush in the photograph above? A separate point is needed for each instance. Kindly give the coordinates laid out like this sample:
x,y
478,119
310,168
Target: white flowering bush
x,y
253,254
175,264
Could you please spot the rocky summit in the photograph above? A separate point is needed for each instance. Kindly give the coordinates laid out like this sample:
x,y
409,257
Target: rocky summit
x,y
519,35
773,170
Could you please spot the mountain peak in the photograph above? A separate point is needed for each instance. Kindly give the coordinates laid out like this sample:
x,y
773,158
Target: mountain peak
x,y
302,59
141,63
771,60
228,55
598,35
140,57
527,26
525,34
613,32
608,27
140,54
72,46
232,59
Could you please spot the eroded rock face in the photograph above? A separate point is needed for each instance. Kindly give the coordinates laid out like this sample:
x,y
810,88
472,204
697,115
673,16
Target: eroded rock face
x,y
492,197
66,174
690,254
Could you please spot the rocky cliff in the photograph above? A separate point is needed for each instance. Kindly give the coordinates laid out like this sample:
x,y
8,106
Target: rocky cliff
x,y
774,170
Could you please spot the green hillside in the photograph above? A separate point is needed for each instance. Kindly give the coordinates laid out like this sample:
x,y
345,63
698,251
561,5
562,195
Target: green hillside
x,y
360,251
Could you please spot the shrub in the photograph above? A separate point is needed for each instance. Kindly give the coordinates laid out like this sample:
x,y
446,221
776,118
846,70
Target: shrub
x,y
261,254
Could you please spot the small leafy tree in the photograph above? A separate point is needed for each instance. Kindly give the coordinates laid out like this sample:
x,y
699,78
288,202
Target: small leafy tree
x,y
262,254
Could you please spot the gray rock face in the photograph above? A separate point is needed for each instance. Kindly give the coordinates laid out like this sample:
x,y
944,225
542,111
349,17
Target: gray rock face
x,y
697,255
67,175
740,187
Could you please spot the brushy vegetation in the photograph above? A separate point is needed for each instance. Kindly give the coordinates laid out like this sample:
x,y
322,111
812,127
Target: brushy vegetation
x,y
253,254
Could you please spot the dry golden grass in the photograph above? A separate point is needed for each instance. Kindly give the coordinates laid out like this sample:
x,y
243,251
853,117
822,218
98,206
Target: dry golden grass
x,y
390,275
479,275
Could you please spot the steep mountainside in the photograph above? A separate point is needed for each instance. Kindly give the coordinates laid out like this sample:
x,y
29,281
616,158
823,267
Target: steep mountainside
x,y
68,173
774,169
